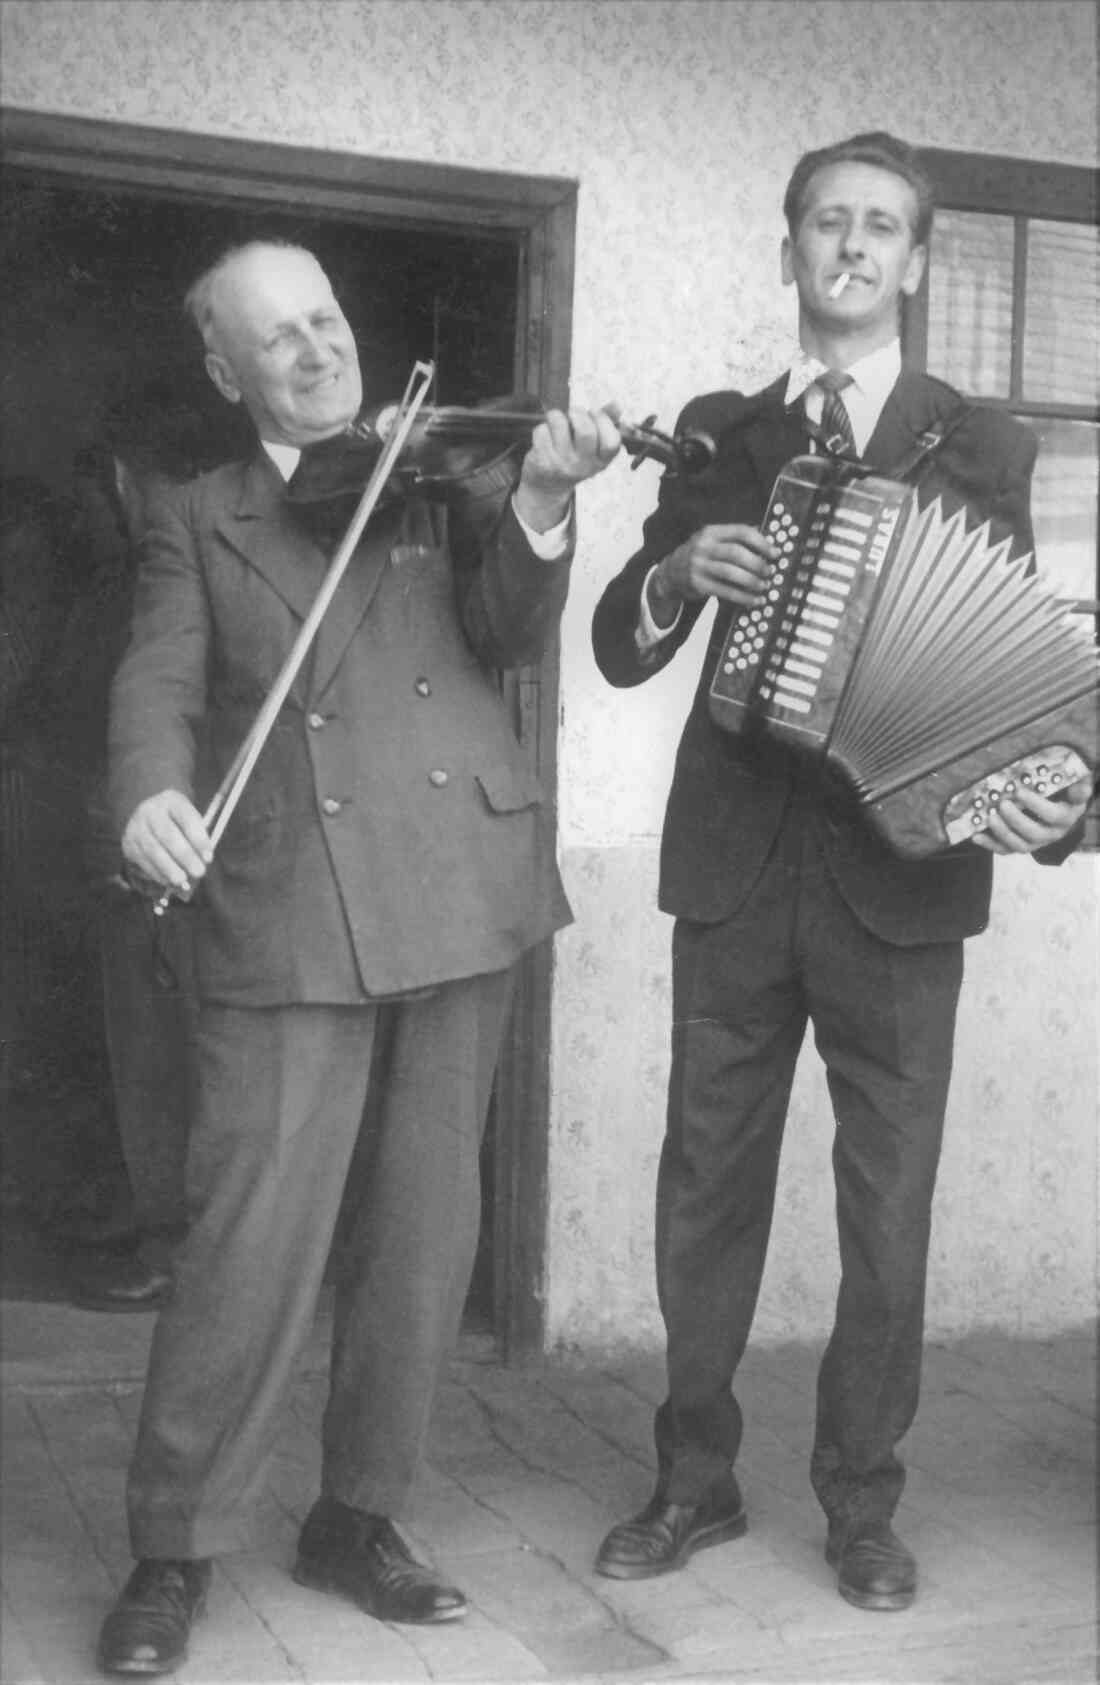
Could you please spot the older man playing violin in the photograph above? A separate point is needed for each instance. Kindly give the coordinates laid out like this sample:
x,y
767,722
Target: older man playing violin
x,y
356,937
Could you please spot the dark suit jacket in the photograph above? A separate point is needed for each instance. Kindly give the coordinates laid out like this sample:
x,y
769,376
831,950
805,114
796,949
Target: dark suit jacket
x,y
390,836
728,796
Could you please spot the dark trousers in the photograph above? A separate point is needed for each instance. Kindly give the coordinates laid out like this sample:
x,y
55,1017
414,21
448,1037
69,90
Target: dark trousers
x,y
883,1019
297,1105
150,1010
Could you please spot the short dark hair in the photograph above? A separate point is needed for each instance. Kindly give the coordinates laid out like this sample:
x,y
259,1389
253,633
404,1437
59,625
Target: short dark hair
x,y
876,147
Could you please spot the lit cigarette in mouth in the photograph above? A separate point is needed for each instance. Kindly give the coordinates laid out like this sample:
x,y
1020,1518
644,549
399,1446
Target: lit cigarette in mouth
x,y
839,285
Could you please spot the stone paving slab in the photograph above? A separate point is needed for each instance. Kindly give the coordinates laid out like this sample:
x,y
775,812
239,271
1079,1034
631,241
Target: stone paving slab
x,y
528,1468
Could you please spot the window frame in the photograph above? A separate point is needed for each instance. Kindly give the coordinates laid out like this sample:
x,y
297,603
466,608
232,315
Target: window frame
x,y
1021,188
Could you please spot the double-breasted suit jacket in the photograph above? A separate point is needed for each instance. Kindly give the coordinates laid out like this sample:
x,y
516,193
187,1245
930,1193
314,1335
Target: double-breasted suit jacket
x,y
728,796
390,837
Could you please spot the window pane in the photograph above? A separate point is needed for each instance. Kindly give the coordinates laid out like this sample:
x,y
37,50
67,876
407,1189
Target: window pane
x,y
1063,505
1062,315
970,302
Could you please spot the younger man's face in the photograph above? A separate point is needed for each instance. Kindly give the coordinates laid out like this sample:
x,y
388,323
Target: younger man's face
x,y
857,220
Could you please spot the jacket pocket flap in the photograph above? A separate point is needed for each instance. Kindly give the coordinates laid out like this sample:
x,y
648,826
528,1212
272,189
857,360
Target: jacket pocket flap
x,y
508,789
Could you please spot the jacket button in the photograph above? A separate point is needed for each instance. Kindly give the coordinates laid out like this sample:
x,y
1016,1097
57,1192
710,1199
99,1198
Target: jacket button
x,y
330,806
316,722
438,777
423,687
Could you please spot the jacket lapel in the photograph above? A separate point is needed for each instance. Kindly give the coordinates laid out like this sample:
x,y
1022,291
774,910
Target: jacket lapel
x,y
908,411
775,434
353,598
262,529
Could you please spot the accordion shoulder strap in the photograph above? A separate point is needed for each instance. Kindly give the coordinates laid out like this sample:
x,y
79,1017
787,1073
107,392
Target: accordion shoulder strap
x,y
927,443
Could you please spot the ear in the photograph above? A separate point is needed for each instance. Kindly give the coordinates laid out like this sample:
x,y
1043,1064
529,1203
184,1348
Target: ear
x,y
221,373
786,261
914,271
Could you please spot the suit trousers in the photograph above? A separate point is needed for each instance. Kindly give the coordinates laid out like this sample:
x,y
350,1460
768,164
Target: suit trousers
x,y
883,1020
315,1122
150,1027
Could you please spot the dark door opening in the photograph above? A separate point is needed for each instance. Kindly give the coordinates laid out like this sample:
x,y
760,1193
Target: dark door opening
x,y
93,282
533,217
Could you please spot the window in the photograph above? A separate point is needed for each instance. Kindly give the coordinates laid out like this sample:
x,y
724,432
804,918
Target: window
x,y
1010,313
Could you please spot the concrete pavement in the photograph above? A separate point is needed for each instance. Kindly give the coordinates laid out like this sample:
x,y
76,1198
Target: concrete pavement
x,y
529,1467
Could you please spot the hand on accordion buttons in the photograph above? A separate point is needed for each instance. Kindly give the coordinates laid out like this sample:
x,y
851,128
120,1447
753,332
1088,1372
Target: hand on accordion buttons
x,y
1029,821
732,562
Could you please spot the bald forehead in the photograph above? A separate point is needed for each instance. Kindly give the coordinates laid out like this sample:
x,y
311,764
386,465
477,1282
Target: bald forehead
x,y
261,288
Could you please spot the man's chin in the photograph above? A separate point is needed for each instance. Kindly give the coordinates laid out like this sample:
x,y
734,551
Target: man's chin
x,y
327,426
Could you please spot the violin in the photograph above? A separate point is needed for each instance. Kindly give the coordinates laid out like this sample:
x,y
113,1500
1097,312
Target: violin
x,y
454,454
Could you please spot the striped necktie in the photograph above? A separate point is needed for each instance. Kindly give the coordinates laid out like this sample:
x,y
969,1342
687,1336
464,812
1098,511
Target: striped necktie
x,y
836,424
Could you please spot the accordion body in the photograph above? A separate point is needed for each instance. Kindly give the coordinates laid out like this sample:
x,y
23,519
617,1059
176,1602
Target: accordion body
x,y
909,655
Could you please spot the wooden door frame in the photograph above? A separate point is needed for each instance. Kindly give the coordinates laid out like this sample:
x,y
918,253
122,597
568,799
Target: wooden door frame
x,y
539,213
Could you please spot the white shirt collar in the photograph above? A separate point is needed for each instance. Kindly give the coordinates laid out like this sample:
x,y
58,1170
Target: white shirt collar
x,y
285,457
874,376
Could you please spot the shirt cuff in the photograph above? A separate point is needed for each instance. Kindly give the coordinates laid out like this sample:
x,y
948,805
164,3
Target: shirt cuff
x,y
551,545
647,633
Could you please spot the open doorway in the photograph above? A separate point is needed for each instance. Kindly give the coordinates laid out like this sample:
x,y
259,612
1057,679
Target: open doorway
x,y
103,230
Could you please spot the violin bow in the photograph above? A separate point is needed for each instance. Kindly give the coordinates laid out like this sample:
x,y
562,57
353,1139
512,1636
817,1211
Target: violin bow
x,y
229,792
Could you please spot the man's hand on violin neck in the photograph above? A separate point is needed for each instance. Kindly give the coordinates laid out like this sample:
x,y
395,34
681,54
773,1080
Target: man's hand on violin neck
x,y
565,449
166,840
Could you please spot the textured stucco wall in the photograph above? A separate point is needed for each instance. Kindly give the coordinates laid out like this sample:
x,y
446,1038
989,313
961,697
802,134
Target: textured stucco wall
x,y
680,119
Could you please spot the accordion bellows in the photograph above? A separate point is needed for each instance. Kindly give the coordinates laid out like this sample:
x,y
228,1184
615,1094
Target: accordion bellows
x,y
922,663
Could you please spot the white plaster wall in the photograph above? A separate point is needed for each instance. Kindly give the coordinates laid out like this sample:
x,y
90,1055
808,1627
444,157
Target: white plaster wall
x,y
681,120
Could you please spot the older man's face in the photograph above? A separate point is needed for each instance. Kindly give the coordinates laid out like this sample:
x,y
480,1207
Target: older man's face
x,y
282,347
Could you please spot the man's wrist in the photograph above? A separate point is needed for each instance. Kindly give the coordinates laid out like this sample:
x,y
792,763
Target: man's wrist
x,y
664,603
542,508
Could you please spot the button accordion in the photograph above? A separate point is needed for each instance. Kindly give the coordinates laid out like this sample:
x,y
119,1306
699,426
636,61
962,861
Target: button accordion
x,y
911,655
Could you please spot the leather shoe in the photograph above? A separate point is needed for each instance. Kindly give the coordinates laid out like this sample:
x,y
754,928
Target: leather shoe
x,y
874,1569
147,1630
347,1550
124,1282
665,1535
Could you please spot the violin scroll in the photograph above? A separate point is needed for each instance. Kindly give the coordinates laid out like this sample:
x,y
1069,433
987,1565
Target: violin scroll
x,y
681,453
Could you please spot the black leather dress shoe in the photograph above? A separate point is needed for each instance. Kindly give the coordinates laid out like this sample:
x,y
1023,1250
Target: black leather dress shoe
x,y
346,1550
874,1569
148,1628
665,1535
122,1282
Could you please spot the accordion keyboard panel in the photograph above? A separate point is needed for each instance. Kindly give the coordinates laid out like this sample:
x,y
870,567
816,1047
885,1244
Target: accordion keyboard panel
x,y
912,653
789,657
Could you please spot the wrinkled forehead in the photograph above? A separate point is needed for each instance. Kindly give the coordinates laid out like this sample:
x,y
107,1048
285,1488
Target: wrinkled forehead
x,y
264,288
861,187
